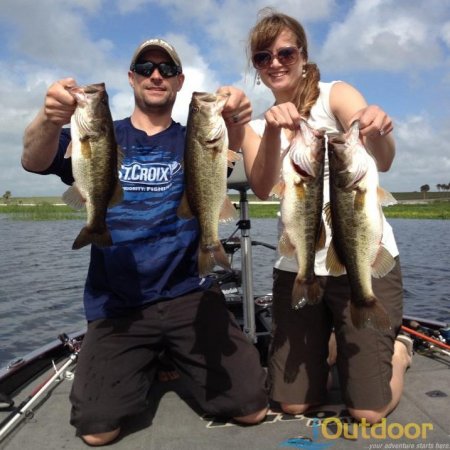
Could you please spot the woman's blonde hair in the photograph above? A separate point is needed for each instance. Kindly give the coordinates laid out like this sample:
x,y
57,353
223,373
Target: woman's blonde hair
x,y
269,25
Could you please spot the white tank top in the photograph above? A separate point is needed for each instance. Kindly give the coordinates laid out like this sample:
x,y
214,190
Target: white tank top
x,y
320,117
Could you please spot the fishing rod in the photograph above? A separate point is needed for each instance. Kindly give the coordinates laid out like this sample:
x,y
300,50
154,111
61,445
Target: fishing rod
x,y
21,410
435,344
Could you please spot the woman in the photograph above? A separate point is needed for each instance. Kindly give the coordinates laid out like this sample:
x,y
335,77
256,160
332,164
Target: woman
x,y
371,364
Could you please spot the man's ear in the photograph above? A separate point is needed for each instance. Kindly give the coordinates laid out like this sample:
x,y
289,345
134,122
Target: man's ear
x,y
180,78
131,78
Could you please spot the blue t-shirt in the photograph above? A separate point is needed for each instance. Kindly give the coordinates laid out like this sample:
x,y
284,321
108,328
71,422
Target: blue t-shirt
x,y
154,252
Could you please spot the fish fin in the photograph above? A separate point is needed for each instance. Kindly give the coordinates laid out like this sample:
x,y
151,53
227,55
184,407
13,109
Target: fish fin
x,y
285,246
86,150
233,157
101,238
73,197
385,198
68,153
184,210
278,189
210,256
359,200
370,315
321,237
227,211
304,292
332,263
327,212
300,191
314,292
383,264
120,157
117,196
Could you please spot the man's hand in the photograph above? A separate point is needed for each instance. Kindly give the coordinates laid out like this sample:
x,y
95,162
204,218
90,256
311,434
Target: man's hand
x,y
59,103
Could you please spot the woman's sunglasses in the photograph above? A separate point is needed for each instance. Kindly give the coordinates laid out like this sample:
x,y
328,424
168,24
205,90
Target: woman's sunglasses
x,y
166,69
286,56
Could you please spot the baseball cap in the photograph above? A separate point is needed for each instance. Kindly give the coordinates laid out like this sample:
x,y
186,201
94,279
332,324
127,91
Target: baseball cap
x,y
155,44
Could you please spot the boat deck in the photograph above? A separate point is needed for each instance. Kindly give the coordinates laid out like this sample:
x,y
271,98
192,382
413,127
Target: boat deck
x,y
173,422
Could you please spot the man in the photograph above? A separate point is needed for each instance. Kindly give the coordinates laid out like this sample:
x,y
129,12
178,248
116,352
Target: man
x,y
143,294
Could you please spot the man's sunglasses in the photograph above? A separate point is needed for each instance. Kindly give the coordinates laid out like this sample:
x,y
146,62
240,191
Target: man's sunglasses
x,y
166,69
286,56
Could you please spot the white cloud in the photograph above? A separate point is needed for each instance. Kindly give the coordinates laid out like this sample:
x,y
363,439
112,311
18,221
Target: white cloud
x,y
445,33
59,38
383,35
225,25
90,6
422,155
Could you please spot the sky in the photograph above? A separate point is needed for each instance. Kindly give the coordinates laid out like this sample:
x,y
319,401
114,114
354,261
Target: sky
x,y
396,52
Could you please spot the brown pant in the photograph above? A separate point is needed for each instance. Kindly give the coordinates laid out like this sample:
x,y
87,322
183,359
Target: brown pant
x,y
298,368
216,362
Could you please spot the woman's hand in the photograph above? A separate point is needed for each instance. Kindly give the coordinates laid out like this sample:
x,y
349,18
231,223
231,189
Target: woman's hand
x,y
284,115
373,122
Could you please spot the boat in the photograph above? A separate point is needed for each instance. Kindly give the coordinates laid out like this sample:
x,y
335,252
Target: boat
x,y
34,390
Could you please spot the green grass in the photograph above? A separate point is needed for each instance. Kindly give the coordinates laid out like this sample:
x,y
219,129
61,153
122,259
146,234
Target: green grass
x,y
263,211
41,211
421,196
432,210
33,200
437,206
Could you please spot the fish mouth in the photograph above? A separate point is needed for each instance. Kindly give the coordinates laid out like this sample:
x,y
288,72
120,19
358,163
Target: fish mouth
x,y
93,88
81,93
204,96
208,97
87,89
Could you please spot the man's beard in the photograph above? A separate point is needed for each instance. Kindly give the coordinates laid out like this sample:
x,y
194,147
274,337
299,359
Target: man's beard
x,y
162,106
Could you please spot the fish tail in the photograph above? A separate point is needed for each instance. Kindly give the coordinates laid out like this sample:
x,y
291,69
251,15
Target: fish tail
x,y
101,238
306,292
315,292
371,314
210,256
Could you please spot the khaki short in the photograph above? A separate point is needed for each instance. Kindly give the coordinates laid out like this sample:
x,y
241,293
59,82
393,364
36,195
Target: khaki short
x,y
298,369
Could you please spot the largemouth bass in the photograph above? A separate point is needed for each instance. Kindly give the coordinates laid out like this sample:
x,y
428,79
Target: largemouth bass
x,y
96,158
357,226
206,161
301,189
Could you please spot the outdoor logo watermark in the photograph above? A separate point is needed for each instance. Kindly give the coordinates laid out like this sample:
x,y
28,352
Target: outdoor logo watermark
x,y
332,428
381,430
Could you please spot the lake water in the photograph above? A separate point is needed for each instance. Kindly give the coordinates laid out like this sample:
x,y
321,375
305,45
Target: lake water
x,y
42,278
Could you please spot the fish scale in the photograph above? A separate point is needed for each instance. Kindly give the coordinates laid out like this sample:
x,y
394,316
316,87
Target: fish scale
x,y
96,159
357,227
206,161
301,190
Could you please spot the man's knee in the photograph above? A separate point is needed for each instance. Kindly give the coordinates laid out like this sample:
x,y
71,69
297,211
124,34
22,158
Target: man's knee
x,y
371,417
252,419
292,408
99,439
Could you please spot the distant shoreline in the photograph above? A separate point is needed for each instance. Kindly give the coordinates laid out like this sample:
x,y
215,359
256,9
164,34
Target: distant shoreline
x,y
401,197
409,206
